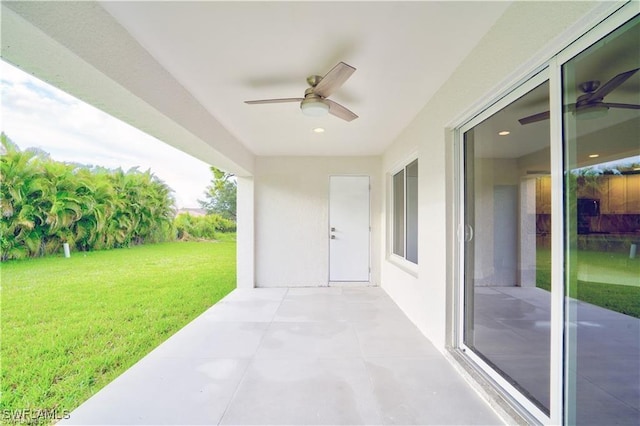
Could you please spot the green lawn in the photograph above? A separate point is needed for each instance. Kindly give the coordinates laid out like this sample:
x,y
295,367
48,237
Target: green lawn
x,y
70,326
609,280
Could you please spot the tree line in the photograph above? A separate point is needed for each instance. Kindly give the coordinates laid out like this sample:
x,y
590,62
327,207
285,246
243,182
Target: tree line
x,y
46,203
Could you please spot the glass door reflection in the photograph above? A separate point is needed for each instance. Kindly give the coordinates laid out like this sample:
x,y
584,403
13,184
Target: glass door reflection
x,y
601,94
507,250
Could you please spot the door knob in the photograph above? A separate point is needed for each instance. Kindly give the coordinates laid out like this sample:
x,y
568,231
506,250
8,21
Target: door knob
x,y
333,229
333,237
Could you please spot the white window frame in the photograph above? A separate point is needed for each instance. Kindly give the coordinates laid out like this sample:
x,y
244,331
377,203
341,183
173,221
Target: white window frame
x,y
399,260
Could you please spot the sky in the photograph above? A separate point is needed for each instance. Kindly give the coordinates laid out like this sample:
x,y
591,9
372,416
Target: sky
x,y
35,114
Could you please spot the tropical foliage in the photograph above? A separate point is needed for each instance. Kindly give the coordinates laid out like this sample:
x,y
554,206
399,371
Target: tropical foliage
x,y
45,203
220,197
207,227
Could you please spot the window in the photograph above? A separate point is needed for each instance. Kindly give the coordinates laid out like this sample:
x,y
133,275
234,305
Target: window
x,y
405,212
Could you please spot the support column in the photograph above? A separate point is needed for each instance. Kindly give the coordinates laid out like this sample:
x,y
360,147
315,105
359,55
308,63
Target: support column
x,y
245,255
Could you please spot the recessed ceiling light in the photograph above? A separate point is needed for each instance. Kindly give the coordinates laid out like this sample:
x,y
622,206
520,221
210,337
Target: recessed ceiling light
x,y
318,130
594,155
504,133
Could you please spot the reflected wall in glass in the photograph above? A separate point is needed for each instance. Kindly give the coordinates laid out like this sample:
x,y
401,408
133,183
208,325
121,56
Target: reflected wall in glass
x,y
405,212
412,212
398,213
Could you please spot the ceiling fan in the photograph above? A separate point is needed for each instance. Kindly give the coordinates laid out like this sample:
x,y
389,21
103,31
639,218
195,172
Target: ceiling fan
x,y
592,102
315,102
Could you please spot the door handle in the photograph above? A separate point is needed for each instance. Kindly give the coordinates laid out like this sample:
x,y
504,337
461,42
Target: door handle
x,y
333,237
468,235
333,229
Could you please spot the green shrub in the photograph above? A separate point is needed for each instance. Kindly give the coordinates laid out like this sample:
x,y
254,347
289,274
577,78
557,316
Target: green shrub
x,y
188,227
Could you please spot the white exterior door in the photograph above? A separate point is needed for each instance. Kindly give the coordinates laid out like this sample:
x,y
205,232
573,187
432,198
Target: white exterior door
x,y
349,228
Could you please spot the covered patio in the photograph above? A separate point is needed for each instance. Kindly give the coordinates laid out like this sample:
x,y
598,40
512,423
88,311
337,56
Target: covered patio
x,y
288,348
339,355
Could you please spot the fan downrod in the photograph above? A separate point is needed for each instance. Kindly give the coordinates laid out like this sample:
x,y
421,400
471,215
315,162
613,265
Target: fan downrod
x,y
313,80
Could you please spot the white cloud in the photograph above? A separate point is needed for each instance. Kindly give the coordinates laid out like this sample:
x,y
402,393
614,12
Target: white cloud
x,y
35,114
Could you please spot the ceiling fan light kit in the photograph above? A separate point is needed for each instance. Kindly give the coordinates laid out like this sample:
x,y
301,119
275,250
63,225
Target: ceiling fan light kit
x,y
315,102
314,107
589,112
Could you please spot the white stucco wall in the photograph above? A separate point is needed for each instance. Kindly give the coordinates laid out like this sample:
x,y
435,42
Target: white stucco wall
x,y
512,48
292,217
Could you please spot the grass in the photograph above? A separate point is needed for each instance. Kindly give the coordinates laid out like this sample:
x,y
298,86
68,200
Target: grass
x,y
70,326
606,279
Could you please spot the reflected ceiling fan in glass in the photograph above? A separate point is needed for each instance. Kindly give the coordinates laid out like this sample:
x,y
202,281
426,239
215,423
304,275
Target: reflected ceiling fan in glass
x,y
591,104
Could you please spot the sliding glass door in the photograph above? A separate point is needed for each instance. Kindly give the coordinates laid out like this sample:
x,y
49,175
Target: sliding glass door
x,y
507,249
601,97
556,164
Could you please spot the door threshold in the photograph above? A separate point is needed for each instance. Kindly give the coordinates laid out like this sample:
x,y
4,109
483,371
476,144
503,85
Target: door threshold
x,y
352,284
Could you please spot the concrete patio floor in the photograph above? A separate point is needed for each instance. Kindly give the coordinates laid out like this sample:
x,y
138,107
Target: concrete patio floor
x,y
292,356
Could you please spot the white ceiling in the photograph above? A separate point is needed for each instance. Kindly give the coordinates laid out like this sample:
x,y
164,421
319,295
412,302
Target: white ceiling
x,y
224,53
